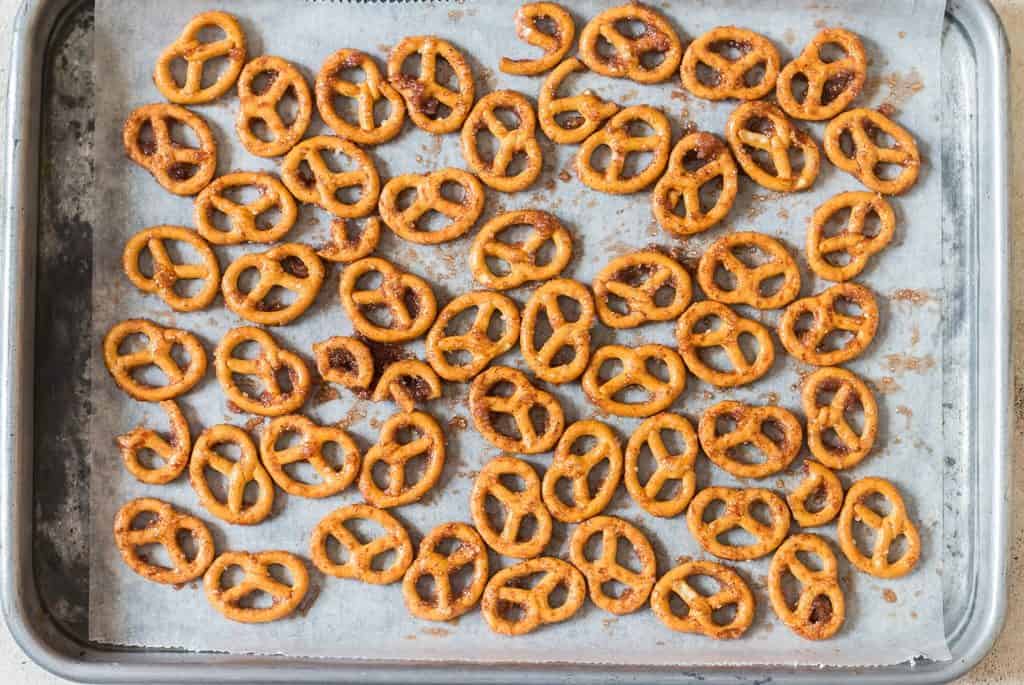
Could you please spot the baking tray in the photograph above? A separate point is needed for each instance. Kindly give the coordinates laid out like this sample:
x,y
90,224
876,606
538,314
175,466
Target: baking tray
x,y
46,267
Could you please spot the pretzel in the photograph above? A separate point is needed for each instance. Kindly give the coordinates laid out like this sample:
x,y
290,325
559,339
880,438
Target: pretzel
x,y
506,589
424,94
271,360
849,446
310,448
260,105
373,89
445,604
244,218
486,406
729,77
160,342
167,272
887,528
546,361
410,302
520,141
237,474
818,483
181,169
606,566
627,60
521,257
481,348
762,126
163,529
322,185
821,608
346,249
583,113
517,505
682,185
807,344
286,597
407,382
750,422
634,374
750,281
831,86
853,240
556,44
395,453
616,136
430,198
737,514
361,553
196,53
636,280
700,608
863,161
346,361
576,468
692,339
657,496
174,452
291,266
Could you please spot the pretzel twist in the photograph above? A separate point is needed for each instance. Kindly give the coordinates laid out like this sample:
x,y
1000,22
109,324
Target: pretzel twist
x,y
430,197
291,266
730,76
763,126
407,382
181,169
345,361
361,554
809,345
323,186
446,604
749,280
257,578
167,272
521,257
310,449
505,589
512,142
395,452
867,156
232,507
849,446
821,607
606,567
485,407
616,136
627,61
174,452
726,336
244,219
636,280
582,114
852,240
196,53
658,496
546,360
887,528
163,529
556,45
750,422
738,514
366,94
700,608
345,248
821,483
260,105
476,342
635,374
575,468
682,186
408,299
271,360
160,342
424,94
517,506
831,86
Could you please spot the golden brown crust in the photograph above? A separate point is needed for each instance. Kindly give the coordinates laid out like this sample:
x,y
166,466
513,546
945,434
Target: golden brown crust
x,y
271,360
820,609
167,273
635,373
512,143
407,382
620,142
407,297
749,281
576,468
886,529
261,105
475,342
373,89
485,407
174,452
811,344
244,218
682,186
345,248
521,257
430,198
505,589
582,114
831,86
737,514
545,303
290,266
669,468
333,478
729,78
196,53
256,567
180,169
345,361
867,155
424,94
701,608
692,339
822,486
517,506
606,566
163,528
626,62
853,240
764,127
157,352
849,446
430,561
750,422
555,45
322,187
361,554
237,473
394,451
636,280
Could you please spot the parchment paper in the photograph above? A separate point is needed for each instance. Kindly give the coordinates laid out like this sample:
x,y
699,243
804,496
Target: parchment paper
x,y
887,621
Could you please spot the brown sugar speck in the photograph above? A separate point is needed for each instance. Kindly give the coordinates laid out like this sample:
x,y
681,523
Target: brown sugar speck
x,y
564,176
455,15
887,385
436,632
789,37
255,424
458,423
898,363
915,297
902,34
905,411
889,596
325,393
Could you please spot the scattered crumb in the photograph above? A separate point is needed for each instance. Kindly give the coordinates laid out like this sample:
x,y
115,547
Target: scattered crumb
x,y
789,37
455,15
898,363
821,24
232,407
902,34
915,335
889,596
325,393
436,632
255,424
564,176
609,622
887,385
905,411
458,423
915,297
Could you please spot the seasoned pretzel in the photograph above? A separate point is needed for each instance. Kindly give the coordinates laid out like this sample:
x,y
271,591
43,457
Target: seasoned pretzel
x,y
322,184
750,421
750,281
174,452
160,342
506,589
286,597
260,105
244,218
237,473
819,485
658,496
163,528
395,453
808,344
867,155
475,342
617,137
445,604
521,257
572,334
291,266
627,61
576,468
181,169
606,566
887,528
310,448
853,240
520,141
693,337
167,272
517,505
556,45
430,197
271,360
700,608
849,446
410,302
821,607
762,126
682,185
407,382
582,114
361,553
366,94
738,514
346,249
346,361
635,374
486,406
424,94
196,53
729,76
636,280
831,86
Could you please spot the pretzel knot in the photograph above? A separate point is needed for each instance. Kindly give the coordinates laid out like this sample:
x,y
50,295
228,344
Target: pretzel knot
x,y
853,243
819,486
487,407
167,273
658,37
575,468
629,289
752,283
395,451
831,86
696,164
730,77
430,197
868,157
290,266
321,185
408,300
569,333
732,591
346,361
345,247
517,505
513,143
507,588
635,375
476,342
811,344
196,53
738,513
262,392
259,105
433,106
778,447
446,604
762,127
620,141
174,452
181,169
519,258
671,485
244,219
312,438
159,345
821,607
696,331
605,567
555,44
230,504
232,601
361,551
887,528
831,436
331,85
163,528
407,382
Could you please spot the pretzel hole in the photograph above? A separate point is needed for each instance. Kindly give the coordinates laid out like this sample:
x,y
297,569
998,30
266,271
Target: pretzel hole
x,y
714,510
708,76
570,120
287,107
604,50
461,580
257,127
614,589
888,172
736,537
881,137
365,530
182,135
657,367
816,500
831,52
431,221
846,144
487,146
281,574
706,586
145,141
519,163
539,418
760,512
811,560
453,191
597,477
495,512
746,453
898,549
609,369
505,424
724,615
337,553
791,589
600,158
627,557
636,163
770,286
510,611
187,543
415,468
798,87
835,340
350,194
617,304
178,69
154,554
144,519
426,589
836,86
755,75
213,70
149,459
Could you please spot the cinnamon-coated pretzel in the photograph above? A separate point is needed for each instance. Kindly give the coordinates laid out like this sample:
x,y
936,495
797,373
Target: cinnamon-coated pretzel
x,y
763,127
430,197
657,495
517,505
521,257
727,336
167,272
164,529
407,383
853,240
606,567
285,597
887,528
361,553
322,185
181,169
555,44
160,343
271,360
260,105
616,136
729,76
849,446
682,185
345,248
807,344
196,53
821,607
738,514
410,302
750,423
366,94
576,469
424,94
867,154
332,478
291,266
485,406
546,360
244,218
505,589
627,61
481,348
822,486
445,604
346,361
520,141
831,86
661,393
395,453
174,452
749,281
636,280
700,608
582,114
237,474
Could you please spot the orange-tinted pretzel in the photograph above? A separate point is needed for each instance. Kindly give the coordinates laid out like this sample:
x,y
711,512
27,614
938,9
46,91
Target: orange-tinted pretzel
x,y
395,452
555,45
244,218
616,136
237,474
762,127
430,198
682,185
627,61
196,53
407,382
867,155
167,272
661,393
700,608
581,114
410,302
160,342
476,342
520,141
819,485
260,105
181,169
517,505
291,266
445,604
361,552
729,76
346,249
738,513
576,469
887,528
163,528
332,478
173,452
636,281
506,589
547,360
606,567
521,257
657,495
346,361
820,608
809,344
693,337
331,84
271,360
831,86
424,94
485,406
749,281
321,185
778,452
230,601
852,241
830,436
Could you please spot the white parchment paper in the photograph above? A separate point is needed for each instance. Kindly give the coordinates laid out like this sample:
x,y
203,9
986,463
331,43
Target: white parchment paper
x,y
887,621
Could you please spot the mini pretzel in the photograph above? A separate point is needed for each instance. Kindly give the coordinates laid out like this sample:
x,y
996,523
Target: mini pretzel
x,y
657,496
807,345
174,452
729,79
692,339
395,453
346,361
818,483
576,468
750,281
750,422
322,185
236,473
763,126
635,374
424,94
310,448
163,529
555,45
361,554
256,566
505,589
682,185
636,280
867,155
244,218
429,197
738,514
521,258
408,299
887,528
167,273
345,248
616,136
160,342
476,342
261,106
566,334
512,143
627,61
849,446
831,86
373,89
821,607
180,169
486,406
271,360
407,382
517,506
584,113
445,604
606,567
290,266
852,240
196,53
700,608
